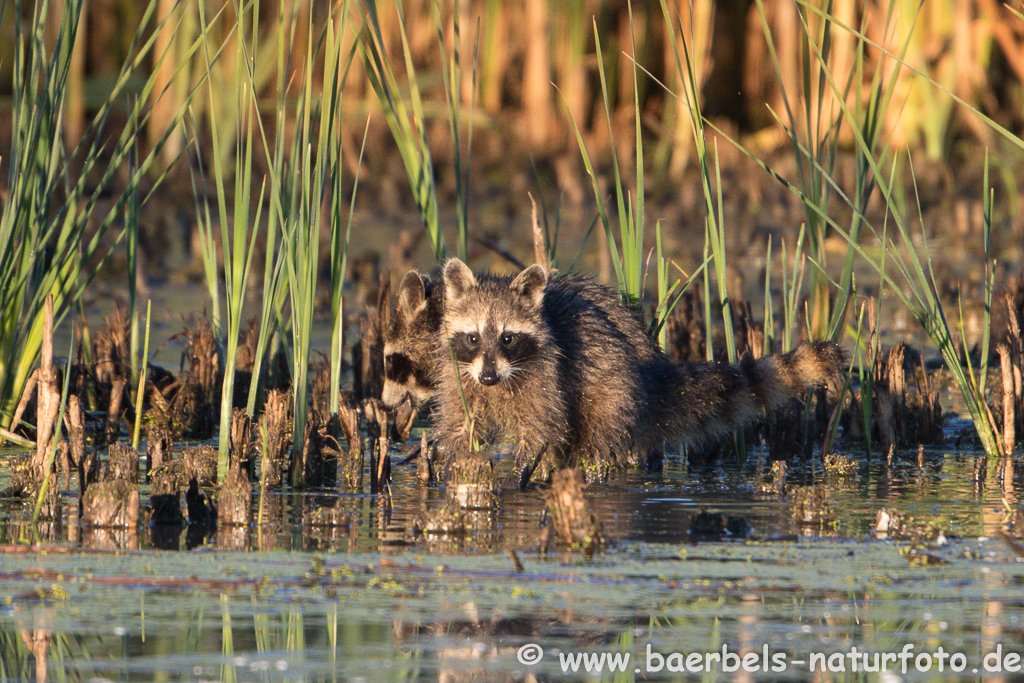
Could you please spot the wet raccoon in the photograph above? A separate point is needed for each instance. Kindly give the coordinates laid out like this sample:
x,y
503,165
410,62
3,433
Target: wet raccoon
x,y
410,340
562,364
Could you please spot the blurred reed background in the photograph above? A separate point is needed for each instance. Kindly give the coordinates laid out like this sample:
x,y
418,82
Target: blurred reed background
x,y
973,48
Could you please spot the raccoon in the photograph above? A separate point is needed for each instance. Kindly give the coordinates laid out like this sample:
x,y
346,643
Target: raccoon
x,y
410,340
560,363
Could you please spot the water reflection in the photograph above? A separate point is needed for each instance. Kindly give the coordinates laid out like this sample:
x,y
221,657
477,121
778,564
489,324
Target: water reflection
x,y
359,595
970,494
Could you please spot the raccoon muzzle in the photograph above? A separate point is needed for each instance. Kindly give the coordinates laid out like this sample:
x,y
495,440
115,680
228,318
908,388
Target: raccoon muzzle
x,y
488,372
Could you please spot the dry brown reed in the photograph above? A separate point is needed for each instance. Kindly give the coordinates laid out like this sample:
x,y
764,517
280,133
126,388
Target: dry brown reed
x,y
975,49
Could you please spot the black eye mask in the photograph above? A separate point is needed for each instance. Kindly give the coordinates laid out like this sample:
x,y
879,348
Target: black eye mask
x,y
398,368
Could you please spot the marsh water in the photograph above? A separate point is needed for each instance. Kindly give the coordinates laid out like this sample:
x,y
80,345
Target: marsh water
x,y
369,599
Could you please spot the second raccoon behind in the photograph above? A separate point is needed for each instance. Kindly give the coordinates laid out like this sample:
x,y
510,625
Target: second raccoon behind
x,y
410,341
562,364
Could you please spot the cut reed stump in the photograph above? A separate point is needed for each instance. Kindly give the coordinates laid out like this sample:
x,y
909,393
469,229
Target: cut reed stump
x,y
377,428
43,382
472,481
318,461
74,422
234,504
1007,403
470,497
112,368
352,460
165,499
159,447
425,461
201,509
327,517
111,504
242,445
124,462
275,437
571,516
201,464
811,506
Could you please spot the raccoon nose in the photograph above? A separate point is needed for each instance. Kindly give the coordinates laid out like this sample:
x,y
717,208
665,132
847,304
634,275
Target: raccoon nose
x,y
488,373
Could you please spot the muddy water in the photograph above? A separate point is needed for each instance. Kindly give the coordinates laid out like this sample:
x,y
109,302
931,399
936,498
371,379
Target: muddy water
x,y
370,600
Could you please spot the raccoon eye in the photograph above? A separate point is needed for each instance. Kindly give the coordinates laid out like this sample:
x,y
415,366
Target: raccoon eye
x,y
509,338
472,339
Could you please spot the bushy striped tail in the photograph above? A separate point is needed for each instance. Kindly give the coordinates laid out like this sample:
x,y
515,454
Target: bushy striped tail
x,y
713,399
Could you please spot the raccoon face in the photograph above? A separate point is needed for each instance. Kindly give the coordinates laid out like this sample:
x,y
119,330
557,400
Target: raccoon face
x,y
492,328
409,339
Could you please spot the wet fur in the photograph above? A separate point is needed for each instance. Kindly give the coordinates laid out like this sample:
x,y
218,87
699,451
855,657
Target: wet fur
x,y
591,384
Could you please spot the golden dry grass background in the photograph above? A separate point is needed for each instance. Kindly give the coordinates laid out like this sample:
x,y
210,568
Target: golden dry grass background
x,y
536,62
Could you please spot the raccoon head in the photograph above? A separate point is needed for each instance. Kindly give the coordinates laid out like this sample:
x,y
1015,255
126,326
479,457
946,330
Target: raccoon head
x,y
493,327
409,338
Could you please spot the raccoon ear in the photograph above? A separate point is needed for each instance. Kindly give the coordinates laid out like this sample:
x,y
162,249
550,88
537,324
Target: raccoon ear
x,y
458,279
384,301
411,293
530,283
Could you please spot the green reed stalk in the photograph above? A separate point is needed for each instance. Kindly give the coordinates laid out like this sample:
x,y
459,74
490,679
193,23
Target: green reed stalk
x,y
769,306
132,248
917,288
714,227
337,74
819,126
313,173
275,276
339,262
452,77
919,278
791,289
50,248
408,131
141,393
629,267
238,235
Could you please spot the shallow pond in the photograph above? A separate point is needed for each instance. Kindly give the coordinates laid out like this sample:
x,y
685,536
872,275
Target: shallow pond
x,y
371,601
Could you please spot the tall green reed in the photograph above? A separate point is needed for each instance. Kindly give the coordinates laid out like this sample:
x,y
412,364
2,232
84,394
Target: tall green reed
x,y
629,265
408,122
408,130
686,68
312,177
916,287
305,177
47,242
238,232
812,124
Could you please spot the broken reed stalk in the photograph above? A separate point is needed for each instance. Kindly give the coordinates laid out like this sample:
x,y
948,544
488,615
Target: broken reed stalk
x,y
47,397
1006,366
573,520
48,385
